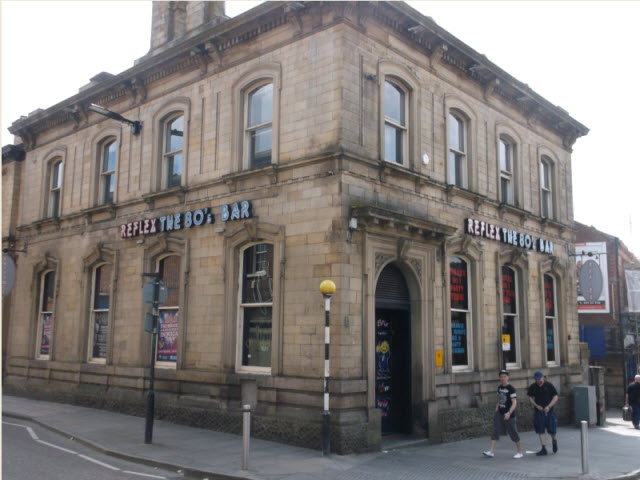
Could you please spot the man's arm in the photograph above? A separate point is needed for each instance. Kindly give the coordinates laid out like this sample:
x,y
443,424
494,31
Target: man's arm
x,y
553,401
507,415
534,404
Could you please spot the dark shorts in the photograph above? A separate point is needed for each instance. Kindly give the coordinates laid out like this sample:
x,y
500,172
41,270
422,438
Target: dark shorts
x,y
548,422
502,427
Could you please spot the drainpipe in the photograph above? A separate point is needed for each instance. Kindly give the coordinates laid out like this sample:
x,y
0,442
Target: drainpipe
x,y
624,360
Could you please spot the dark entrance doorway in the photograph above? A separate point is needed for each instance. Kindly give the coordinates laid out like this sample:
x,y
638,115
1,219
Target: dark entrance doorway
x,y
393,351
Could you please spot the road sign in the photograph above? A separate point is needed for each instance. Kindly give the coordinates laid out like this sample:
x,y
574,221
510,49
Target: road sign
x,y
148,291
8,274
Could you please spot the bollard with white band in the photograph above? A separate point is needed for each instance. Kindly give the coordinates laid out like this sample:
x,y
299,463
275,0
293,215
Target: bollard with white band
x,y
327,288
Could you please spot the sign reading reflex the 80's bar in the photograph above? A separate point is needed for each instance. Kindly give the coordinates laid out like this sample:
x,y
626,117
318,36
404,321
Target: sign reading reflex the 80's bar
x,y
183,220
479,228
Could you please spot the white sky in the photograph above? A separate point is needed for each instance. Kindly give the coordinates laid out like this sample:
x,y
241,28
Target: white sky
x,y
580,55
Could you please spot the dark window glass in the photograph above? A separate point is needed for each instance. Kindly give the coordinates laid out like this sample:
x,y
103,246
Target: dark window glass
x,y
551,341
48,291
102,287
256,347
549,300
509,303
258,274
459,284
170,274
174,134
510,329
459,338
260,108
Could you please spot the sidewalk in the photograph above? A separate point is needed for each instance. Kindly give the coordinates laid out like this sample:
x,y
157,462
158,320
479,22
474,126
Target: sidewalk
x,y
614,451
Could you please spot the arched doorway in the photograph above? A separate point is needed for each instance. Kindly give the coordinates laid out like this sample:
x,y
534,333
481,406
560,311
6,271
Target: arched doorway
x,y
393,351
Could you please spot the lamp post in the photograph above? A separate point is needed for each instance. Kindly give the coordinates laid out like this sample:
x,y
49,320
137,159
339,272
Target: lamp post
x,y
327,288
136,125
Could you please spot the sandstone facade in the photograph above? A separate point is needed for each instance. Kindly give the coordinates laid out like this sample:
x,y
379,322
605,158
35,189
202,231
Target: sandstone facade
x,y
327,204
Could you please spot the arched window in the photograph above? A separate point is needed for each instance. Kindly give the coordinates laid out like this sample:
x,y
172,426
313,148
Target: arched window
x,y
550,320
173,150
55,188
461,313
511,315
457,151
107,181
99,316
255,300
395,123
258,125
506,155
45,315
168,320
546,188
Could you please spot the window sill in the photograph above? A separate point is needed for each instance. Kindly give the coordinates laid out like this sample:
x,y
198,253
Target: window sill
x,y
232,179
179,192
510,208
252,373
548,222
108,208
45,222
453,190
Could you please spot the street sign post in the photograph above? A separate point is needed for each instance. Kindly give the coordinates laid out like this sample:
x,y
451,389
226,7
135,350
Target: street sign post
x,y
154,294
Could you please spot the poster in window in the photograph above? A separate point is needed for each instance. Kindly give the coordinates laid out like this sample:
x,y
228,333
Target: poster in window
x,y
508,291
459,350
99,349
167,336
549,301
593,280
551,341
47,331
509,328
459,284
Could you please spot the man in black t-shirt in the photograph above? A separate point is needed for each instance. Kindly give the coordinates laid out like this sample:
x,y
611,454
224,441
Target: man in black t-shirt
x,y
543,396
633,399
504,418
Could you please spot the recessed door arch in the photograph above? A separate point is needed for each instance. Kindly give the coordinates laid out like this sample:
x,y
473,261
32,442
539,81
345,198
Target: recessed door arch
x,y
393,376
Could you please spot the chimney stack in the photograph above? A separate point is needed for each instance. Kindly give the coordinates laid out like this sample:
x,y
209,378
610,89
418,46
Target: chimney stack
x,y
173,21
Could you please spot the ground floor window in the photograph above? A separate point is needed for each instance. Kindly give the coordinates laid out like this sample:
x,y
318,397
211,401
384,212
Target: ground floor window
x,y
550,320
167,338
461,334
99,318
511,316
45,315
256,307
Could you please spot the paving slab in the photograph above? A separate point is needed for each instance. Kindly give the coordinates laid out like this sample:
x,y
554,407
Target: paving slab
x,y
614,450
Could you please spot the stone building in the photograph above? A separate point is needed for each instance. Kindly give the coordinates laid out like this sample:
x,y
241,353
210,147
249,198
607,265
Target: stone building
x,y
606,324
300,141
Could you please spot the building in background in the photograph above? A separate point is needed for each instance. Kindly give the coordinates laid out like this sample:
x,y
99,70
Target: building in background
x,y
300,141
606,323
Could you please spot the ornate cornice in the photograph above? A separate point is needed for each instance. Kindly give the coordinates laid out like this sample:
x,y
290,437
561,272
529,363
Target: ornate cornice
x,y
207,45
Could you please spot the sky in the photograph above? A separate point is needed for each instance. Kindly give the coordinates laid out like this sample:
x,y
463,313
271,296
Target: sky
x,y
580,55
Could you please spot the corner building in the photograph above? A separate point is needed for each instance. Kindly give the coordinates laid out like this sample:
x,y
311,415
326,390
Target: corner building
x,y
298,142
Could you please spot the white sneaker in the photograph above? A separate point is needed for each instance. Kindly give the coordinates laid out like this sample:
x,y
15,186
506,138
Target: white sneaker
x,y
518,455
488,454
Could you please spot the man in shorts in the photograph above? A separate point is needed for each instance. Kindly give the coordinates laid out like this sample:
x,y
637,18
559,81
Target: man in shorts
x,y
504,417
543,396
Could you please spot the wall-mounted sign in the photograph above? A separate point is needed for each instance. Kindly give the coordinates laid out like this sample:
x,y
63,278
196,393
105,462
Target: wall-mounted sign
x,y
182,220
593,281
479,228
506,343
439,358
